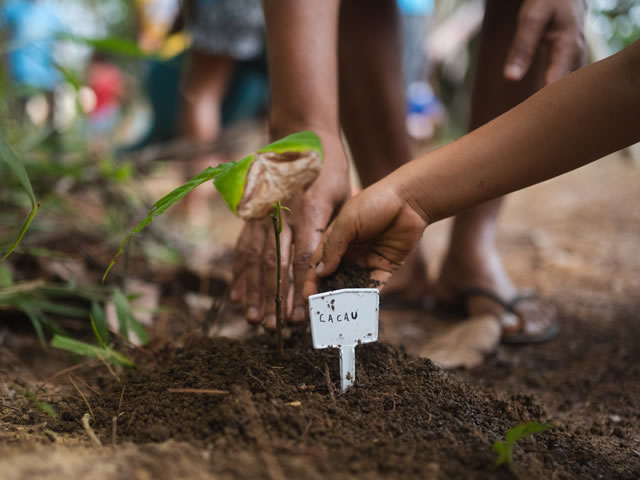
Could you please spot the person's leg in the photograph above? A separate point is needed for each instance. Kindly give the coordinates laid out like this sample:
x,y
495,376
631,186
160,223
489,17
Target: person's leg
x,y
202,94
472,260
372,105
205,84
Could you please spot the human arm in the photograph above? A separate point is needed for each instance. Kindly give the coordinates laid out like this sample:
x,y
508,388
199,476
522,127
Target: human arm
x,y
572,122
302,46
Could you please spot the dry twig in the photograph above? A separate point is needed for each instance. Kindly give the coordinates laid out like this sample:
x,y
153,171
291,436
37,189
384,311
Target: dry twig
x,y
89,430
114,430
204,391
83,396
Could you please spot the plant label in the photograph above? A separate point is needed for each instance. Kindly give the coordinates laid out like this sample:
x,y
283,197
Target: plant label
x,y
344,319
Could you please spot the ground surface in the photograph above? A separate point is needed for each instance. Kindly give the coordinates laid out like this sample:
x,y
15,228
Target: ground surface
x,y
575,239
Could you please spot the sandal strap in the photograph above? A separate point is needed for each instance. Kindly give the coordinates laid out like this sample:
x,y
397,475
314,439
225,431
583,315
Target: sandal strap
x,y
509,305
468,293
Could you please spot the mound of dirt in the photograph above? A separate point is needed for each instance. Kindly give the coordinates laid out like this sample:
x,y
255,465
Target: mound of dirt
x,y
285,418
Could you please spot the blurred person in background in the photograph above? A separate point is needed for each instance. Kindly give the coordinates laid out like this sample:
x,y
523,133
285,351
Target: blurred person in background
x,y
32,27
216,78
336,67
425,114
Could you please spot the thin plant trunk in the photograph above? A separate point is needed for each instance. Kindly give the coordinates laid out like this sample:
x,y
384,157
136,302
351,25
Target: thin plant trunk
x,y
276,217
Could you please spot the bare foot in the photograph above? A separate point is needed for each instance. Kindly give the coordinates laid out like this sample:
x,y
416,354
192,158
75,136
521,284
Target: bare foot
x,y
475,279
409,287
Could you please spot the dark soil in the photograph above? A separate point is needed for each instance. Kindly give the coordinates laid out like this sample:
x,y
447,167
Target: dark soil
x,y
348,276
576,240
405,418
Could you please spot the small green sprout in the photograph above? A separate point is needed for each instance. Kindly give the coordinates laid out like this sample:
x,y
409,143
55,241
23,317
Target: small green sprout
x,y
254,188
44,407
103,350
504,449
253,185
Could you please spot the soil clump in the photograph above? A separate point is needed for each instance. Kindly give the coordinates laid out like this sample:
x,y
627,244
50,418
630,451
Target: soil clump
x,y
348,276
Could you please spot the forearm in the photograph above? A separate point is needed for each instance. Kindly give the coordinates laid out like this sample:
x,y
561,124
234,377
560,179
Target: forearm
x,y
302,54
570,123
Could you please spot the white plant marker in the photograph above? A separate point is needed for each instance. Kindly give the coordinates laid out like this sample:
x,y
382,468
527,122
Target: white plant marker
x,y
344,319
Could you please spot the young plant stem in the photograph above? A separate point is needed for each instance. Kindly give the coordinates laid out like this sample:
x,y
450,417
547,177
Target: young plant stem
x,y
276,218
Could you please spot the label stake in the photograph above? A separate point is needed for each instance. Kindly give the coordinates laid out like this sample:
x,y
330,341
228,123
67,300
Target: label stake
x,y
344,319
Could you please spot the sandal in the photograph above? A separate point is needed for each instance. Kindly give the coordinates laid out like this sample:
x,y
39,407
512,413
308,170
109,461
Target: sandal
x,y
509,318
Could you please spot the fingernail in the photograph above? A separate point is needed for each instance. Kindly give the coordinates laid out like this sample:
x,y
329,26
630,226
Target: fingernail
x,y
513,71
270,321
298,314
252,314
320,268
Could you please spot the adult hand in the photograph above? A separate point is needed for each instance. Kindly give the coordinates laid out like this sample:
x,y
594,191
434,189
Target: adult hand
x,y
254,266
559,24
377,229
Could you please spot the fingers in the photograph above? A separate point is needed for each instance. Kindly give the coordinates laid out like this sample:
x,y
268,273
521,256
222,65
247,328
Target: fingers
x,y
306,238
566,56
269,278
532,21
332,248
247,270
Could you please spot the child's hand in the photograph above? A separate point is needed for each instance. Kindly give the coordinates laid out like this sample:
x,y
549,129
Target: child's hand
x,y
377,229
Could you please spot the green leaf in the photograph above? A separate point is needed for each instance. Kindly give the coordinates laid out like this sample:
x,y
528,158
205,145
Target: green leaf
x,y
6,278
296,142
21,233
231,182
58,308
505,449
88,350
10,158
99,324
122,312
72,77
39,404
165,202
114,45
126,318
36,321
230,179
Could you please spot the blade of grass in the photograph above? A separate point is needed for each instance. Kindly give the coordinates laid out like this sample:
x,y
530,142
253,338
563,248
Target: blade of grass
x,y
52,307
36,321
165,202
114,45
126,318
122,312
87,350
39,404
11,159
99,324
